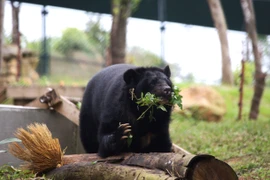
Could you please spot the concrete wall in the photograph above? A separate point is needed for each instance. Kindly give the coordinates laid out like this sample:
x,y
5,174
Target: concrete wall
x,y
13,117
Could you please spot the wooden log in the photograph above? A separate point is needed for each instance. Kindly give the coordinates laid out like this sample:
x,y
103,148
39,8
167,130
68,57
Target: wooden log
x,y
106,171
179,165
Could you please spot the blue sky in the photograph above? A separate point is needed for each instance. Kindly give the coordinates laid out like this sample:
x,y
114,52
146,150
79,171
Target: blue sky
x,y
195,49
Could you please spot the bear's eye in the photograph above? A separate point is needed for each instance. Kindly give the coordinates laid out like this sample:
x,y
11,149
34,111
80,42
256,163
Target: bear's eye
x,y
153,82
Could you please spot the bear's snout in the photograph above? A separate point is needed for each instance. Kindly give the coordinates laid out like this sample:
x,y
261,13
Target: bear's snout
x,y
167,90
163,92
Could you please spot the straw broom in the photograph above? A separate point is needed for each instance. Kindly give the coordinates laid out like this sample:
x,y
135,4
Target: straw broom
x,y
40,152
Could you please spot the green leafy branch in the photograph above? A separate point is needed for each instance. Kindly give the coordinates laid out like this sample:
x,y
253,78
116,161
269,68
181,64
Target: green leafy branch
x,y
150,101
176,97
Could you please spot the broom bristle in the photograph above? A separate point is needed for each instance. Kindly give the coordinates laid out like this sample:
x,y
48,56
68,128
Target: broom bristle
x,y
40,151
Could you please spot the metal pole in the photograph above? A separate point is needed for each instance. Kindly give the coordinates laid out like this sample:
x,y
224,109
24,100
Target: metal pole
x,y
162,18
44,57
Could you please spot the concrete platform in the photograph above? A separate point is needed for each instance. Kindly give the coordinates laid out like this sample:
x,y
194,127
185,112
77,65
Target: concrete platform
x,y
13,117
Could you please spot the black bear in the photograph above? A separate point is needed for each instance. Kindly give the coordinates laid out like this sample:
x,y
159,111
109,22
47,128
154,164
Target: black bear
x,y
109,113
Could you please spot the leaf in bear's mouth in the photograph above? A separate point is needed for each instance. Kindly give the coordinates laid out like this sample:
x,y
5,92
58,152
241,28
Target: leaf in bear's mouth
x,y
150,100
176,97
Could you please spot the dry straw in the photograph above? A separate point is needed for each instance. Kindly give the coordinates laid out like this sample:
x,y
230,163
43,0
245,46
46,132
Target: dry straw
x,y
40,151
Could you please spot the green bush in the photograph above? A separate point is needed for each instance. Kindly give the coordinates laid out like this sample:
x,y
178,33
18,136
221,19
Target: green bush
x,y
72,40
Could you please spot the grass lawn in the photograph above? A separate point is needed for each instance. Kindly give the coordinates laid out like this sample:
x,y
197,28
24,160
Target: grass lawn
x,y
244,144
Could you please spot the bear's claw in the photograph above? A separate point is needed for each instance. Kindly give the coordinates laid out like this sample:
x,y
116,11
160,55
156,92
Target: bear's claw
x,y
124,137
125,129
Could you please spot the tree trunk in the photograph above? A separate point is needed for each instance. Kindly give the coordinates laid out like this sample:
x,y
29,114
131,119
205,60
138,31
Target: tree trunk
x,y
15,21
156,166
249,16
2,4
221,26
121,10
16,36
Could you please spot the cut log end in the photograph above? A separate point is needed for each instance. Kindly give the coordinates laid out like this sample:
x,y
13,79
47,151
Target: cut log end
x,y
210,168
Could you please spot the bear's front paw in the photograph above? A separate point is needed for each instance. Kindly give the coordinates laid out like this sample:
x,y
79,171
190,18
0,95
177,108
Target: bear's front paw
x,y
123,131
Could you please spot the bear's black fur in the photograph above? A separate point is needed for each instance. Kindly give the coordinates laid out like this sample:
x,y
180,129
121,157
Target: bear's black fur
x,y
108,114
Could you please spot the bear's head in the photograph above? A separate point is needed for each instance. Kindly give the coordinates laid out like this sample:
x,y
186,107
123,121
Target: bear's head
x,y
150,79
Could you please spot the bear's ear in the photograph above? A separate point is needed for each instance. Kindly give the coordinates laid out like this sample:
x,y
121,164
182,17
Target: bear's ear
x,y
130,75
167,71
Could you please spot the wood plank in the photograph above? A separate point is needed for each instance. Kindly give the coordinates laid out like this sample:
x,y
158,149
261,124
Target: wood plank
x,y
59,103
31,92
68,109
